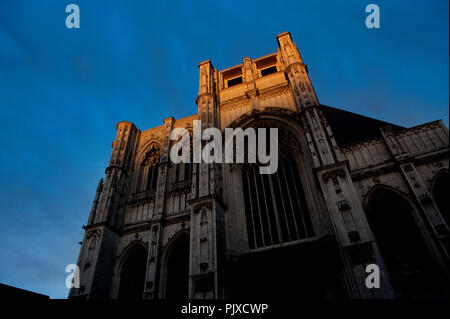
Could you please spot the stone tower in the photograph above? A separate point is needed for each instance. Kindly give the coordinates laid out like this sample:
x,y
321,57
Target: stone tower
x,y
350,191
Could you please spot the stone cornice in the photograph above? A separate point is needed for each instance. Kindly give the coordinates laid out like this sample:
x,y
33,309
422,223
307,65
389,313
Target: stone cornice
x,y
100,225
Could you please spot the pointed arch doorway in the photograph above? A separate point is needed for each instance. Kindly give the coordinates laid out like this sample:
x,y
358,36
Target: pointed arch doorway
x,y
132,274
408,260
176,267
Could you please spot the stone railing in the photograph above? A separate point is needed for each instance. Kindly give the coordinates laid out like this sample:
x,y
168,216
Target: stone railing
x,y
180,187
141,198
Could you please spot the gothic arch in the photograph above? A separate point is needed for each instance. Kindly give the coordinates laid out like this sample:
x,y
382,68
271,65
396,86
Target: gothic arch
x,y
140,155
402,239
369,194
146,146
300,194
274,112
146,166
174,283
130,270
439,190
286,118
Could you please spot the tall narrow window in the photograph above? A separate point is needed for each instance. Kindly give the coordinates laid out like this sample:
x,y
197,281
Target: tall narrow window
x,y
148,170
152,177
275,205
139,177
183,171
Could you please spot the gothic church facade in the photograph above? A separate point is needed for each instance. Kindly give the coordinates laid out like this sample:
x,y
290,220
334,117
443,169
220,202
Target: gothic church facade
x,y
349,191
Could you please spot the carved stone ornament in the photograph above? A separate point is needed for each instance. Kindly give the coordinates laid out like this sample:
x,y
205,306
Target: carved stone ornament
x,y
152,156
425,199
94,232
180,187
199,207
142,198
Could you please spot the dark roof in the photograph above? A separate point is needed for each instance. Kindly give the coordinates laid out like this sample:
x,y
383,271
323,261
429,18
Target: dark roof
x,y
350,127
10,292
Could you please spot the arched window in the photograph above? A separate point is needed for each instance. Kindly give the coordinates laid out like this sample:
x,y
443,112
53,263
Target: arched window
x,y
440,189
148,170
275,205
177,268
152,177
183,171
402,246
132,274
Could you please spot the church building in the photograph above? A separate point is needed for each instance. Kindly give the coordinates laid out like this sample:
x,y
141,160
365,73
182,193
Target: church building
x,y
352,197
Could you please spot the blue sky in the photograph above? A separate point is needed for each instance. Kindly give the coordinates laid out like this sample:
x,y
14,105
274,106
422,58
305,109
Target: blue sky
x,y
63,91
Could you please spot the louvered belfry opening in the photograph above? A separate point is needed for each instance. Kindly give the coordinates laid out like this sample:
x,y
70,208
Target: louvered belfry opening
x,y
275,204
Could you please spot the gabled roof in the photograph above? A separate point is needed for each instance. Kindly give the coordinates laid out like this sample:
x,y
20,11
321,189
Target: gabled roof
x,y
350,127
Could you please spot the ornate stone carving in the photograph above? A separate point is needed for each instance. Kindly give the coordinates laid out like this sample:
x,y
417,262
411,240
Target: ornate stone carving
x,y
93,232
152,156
180,187
200,206
142,198
333,175
425,199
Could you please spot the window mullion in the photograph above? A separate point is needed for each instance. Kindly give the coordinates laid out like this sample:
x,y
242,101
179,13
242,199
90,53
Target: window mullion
x,y
251,207
290,200
275,207
259,208
284,206
267,209
298,199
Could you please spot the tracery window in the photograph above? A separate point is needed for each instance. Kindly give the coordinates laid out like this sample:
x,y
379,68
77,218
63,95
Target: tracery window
x,y
275,205
148,170
152,177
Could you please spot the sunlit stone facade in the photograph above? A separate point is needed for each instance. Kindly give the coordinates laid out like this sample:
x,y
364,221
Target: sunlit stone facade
x,y
349,191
